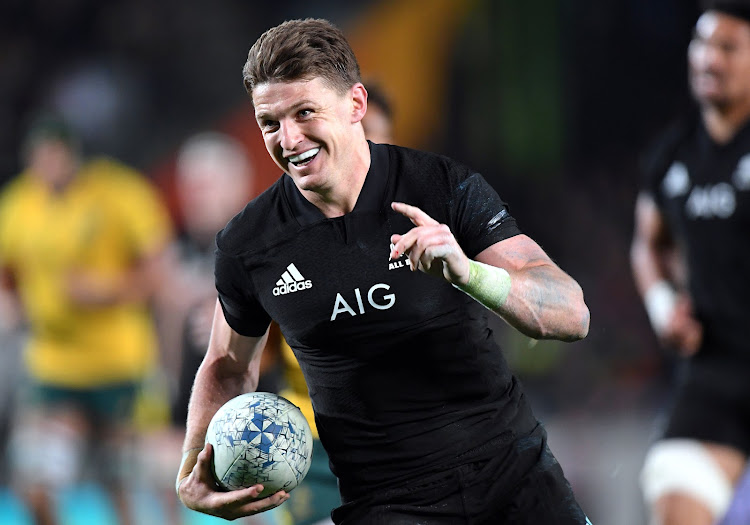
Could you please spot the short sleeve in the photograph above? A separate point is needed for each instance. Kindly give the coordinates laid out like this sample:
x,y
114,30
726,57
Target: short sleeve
x,y
242,310
654,163
658,157
480,217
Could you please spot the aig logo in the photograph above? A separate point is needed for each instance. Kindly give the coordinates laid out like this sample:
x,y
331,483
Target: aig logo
x,y
708,202
375,298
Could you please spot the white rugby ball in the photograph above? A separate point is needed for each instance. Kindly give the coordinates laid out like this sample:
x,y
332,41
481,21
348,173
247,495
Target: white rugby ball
x,y
260,437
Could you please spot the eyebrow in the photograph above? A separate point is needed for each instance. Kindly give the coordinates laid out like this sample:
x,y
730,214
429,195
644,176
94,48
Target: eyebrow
x,y
294,107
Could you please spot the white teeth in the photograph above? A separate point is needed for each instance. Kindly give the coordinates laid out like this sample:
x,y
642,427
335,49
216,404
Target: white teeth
x,y
302,157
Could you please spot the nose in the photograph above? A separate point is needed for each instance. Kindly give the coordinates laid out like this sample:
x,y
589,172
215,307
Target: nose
x,y
713,55
291,134
706,55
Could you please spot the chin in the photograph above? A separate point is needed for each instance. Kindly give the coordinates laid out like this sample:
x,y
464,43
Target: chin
x,y
305,182
710,97
715,100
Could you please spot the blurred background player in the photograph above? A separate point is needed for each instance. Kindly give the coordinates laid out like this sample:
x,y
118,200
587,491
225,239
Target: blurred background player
x,y
214,179
378,121
690,256
84,243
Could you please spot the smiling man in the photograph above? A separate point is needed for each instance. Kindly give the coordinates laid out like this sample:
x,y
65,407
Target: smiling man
x,y
413,400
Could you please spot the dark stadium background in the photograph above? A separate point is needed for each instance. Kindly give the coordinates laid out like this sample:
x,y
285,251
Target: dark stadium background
x,y
552,100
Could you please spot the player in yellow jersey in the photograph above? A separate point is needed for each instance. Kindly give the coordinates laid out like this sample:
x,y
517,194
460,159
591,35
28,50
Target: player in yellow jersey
x,y
83,241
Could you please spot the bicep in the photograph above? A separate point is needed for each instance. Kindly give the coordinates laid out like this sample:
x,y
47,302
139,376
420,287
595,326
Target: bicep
x,y
654,254
650,226
233,351
514,254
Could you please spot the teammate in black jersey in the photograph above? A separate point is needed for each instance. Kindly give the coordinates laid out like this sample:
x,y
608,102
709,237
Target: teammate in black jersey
x,y
690,256
380,264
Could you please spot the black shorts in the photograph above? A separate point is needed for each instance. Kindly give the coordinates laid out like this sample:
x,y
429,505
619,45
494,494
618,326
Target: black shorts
x,y
712,404
523,486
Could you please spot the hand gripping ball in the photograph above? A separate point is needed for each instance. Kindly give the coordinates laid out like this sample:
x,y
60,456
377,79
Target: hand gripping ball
x,y
260,437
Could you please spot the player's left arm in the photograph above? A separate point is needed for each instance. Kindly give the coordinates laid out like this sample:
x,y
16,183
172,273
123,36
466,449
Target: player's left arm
x,y
515,278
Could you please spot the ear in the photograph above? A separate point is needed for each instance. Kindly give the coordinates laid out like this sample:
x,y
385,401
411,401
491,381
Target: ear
x,y
359,102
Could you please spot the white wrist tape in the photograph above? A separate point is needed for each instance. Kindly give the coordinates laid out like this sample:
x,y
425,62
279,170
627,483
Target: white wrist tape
x,y
487,284
660,301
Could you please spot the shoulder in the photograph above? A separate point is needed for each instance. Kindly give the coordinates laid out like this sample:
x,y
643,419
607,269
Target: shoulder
x,y
17,205
13,198
124,192
424,163
673,135
15,189
664,148
261,223
108,168
104,174
428,174
18,195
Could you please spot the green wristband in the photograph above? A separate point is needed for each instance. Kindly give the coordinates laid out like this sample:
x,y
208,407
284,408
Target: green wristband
x,y
487,284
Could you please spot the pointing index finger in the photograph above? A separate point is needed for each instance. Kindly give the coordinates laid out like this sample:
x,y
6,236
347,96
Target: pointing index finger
x,y
415,215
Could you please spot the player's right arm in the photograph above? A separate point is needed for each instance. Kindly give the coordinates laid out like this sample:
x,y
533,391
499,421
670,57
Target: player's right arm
x,y
230,368
655,261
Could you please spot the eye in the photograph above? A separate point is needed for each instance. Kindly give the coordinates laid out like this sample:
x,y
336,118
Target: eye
x,y
304,113
269,125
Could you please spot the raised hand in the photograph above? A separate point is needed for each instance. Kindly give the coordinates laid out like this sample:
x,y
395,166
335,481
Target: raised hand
x,y
431,246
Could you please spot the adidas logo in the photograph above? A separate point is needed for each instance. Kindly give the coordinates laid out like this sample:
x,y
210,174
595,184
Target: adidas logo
x,y
291,281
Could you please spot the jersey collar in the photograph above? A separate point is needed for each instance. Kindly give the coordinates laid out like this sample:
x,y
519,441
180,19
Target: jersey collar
x,y
370,197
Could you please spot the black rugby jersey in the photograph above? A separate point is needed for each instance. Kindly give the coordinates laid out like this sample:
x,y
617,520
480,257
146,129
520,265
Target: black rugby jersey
x,y
703,189
403,371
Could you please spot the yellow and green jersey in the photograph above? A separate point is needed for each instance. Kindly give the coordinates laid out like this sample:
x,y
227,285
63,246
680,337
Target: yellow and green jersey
x,y
99,225
296,391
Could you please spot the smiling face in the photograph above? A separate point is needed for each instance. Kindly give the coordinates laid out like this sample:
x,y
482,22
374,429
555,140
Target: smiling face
x,y
312,131
719,59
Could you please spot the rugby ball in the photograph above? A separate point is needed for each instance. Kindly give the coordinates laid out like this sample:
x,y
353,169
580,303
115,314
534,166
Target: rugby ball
x,y
260,437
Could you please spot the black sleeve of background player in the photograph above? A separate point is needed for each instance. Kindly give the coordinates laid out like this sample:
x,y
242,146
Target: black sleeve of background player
x,y
480,217
654,163
241,309
659,155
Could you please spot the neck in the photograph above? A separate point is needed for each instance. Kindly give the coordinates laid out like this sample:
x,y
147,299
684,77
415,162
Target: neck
x,y
723,123
341,197
57,185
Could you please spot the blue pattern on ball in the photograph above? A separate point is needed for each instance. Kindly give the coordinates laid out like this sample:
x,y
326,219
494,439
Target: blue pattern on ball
x,y
260,438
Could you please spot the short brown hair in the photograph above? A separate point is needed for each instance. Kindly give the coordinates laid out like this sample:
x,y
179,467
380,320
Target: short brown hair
x,y
302,49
